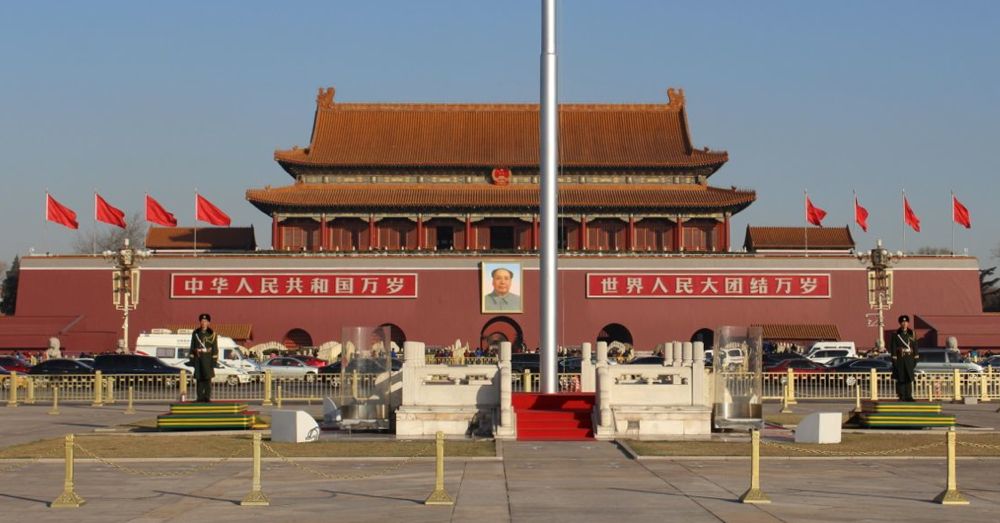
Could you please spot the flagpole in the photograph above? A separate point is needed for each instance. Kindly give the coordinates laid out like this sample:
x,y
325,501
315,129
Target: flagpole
x,y
194,246
953,223
93,235
904,221
805,204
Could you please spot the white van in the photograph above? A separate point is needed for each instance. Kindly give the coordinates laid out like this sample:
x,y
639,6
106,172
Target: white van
x,y
173,348
826,351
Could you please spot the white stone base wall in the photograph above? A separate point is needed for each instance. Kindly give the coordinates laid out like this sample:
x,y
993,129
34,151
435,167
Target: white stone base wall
x,y
658,422
419,422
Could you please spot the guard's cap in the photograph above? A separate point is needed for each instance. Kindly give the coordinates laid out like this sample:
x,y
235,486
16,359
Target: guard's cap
x,y
205,316
904,318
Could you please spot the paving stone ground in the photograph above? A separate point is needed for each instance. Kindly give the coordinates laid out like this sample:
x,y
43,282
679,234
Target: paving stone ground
x,y
530,481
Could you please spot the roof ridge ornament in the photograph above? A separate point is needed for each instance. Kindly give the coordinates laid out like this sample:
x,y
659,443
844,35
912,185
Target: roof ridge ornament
x,y
324,99
675,97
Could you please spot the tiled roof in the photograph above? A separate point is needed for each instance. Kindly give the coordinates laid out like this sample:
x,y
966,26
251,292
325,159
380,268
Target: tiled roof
x,y
209,238
483,196
790,331
236,331
796,238
498,135
971,330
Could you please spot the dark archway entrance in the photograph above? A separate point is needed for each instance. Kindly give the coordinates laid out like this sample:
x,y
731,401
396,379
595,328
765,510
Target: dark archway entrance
x,y
498,329
396,334
613,332
297,338
706,336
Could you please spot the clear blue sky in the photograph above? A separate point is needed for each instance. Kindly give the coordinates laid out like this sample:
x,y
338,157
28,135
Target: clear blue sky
x,y
128,97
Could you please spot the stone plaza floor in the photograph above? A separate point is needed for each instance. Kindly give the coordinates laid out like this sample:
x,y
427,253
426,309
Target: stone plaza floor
x,y
527,481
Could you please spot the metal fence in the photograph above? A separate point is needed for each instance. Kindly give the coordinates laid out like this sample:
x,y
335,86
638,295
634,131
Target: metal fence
x,y
568,382
944,386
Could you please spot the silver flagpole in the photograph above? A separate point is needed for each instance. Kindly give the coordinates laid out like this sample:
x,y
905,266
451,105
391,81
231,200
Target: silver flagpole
x,y
549,156
904,220
953,223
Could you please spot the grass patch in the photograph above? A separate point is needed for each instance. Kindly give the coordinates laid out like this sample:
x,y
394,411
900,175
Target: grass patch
x,y
851,444
216,446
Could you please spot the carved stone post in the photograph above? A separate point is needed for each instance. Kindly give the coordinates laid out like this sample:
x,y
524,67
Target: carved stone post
x,y
506,428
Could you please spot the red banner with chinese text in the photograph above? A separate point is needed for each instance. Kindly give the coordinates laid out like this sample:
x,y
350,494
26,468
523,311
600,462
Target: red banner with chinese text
x,y
707,285
293,285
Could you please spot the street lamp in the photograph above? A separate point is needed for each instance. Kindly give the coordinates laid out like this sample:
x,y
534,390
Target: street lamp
x,y
125,283
878,261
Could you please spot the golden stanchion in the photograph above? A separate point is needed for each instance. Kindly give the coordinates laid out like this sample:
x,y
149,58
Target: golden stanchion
x,y
951,495
68,498
526,381
791,387
930,391
109,390
785,408
30,400
131,408
98,397
182,386
267,389
439,496
957,386
277,399
873,380
857,398
984,395
12,398
754,494
55,402
354,384
256,497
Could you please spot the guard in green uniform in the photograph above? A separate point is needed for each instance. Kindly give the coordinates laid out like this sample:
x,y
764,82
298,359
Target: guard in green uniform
x,y
903,347
204,352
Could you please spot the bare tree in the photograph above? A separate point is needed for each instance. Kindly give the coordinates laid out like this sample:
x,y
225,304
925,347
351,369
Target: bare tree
x,y
109,237
932,251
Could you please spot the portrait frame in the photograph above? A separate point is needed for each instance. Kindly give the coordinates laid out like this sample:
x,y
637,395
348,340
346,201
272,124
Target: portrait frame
x,y
513,302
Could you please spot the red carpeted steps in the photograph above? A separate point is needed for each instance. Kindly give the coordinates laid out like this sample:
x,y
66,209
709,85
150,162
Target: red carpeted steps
x,y
564,416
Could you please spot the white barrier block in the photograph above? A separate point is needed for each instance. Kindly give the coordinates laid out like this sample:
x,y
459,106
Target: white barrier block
x,y
819,427
293,426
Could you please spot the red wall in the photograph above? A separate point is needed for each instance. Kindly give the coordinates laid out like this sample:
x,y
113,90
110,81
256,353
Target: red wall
x,y
448,303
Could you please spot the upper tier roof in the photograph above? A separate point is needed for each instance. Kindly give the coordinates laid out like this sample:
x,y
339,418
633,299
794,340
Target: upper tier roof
x,y
416,197
497,135
798,238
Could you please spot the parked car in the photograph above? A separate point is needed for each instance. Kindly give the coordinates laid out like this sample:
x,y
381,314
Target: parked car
x,y
646,360
840,361
173,349
798,365
944,360
820,346
825,356
991,362
10,363
223,373
309,360
863,365
525,360
366,366
290,367
60,366
115,364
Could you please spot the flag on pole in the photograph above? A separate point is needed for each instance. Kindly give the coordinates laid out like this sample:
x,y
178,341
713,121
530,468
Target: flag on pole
x,y
814,215
107,213
860,215
155,213
206,212
909,216
59,213
960,214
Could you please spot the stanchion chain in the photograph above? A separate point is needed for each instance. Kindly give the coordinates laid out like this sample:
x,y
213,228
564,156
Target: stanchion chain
x,y
148,474
854,453
979,445
345,477
31,461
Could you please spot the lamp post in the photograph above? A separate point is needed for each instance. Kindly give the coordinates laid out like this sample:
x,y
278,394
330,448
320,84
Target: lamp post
x,y
125,283
878,261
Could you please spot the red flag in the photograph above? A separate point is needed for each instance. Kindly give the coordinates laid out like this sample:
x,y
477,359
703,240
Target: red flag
x,y
155,213
814,215
860,215
909,216
960,214
107,213
206,212
59,213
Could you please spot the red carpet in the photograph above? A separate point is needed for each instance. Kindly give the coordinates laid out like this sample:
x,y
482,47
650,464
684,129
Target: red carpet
x,y
564,416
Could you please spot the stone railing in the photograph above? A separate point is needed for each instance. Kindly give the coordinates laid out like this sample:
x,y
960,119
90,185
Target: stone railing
x,y
653,401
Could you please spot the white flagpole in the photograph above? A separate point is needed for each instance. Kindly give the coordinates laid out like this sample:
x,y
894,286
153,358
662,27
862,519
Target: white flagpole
x,y
194,246
805,204
93,236
953,223
904,221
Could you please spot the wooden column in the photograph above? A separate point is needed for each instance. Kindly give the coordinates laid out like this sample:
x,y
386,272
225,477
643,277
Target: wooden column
x,y
275,239
372,233
534,231
679,235
725,234
468,233
630,241
583,232
324,240
420,231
